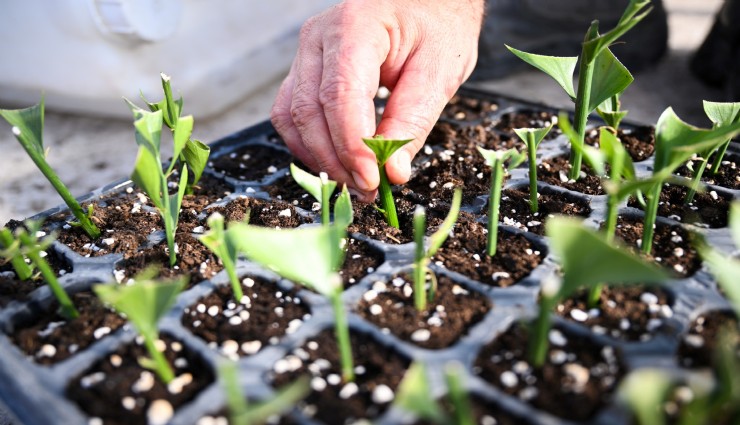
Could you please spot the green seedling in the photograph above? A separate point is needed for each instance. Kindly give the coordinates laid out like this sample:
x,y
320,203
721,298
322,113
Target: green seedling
x,y
496,160
24,243
310,256
600,76
645,391
724,268
321,188
9,250
586,259
150,177
241,412
28,128
224,244
532,137
721,114
144,302
186,150
422,255
610,111
383,149
414,396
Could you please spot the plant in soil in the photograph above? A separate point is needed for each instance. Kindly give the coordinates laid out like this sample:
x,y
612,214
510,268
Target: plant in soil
x,y
414,395
612,113
586,259
496,160
721,114
24,243
144,302
28,128
422,255
600,75
532,137
321,188
725,269
383,149
225,245
9,250
311,256
241,412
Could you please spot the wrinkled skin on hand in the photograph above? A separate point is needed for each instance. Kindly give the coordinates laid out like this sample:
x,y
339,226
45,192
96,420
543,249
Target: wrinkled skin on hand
x,y
421,50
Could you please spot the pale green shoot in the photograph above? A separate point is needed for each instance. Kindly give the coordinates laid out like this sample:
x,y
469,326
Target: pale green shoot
x,y
311,256
645,391
532,137
9,250
586,259
28,128
724,268
144,302
721,114
612,114
496,160
423,255
600,76
383,149
320,188
150,177
241,412
224,244
414,395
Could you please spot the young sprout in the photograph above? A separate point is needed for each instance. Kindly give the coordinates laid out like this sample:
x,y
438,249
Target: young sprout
x,y
414,395
496,160
645,391
24,243
311,256
610,111
600,76
320,188
28,128
150,177
224,244
144,302
241,412
186,150
422,256
9,249
586,259
532,137
383,149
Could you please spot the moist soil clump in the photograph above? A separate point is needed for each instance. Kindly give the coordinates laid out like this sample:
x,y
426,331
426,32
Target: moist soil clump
x,y
251,162
448,317
515,208
13,289
639,142
464,108
699,347
727,176
378,370
369,221
555,172
708,209
360,260
528,119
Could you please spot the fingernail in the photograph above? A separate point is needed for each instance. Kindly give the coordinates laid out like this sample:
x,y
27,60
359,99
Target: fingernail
x,y
360,182
402,163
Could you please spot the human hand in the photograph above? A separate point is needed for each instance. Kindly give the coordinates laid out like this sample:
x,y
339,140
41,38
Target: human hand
x,y
421,50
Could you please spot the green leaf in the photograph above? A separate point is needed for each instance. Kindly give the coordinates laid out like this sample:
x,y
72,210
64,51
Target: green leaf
x,y
645,391
533,135
614,151
176,198
725,269
587,259
735,222
343,214
722,113
196,156
561,69
567,128
631,17
219,241
310,183
135,109
308,255
181,135
414,394
676,141
612,118
500,156
28,126
440,236
143,302
384,148
284,400
610,78
147,176
149,131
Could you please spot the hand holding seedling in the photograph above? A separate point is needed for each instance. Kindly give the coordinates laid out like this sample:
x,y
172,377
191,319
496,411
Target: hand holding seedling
x,y
421,51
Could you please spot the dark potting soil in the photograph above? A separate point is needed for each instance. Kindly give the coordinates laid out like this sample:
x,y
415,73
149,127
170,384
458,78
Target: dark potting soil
x,y
574,383
709,209
631,313
555,172
13,289
465,253
639,141
378,371
286,189
360,259
236,328
528,118
261,212
727,176
671,245
515,208
251,163
453,137
462,108
50,338
447,318
120,391
699,346
371,222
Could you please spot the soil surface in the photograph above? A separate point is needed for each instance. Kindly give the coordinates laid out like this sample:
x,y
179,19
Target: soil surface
x,y
464,108
638,141
515,209
251,162
528,118
360,260
698,347
727,176
555,172
13,289
708,209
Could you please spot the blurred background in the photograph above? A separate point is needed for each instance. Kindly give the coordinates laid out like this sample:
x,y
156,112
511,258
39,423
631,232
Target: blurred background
x,y
226,58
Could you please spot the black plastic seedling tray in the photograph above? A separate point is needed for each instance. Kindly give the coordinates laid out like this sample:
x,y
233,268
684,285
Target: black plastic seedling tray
x,y
36,394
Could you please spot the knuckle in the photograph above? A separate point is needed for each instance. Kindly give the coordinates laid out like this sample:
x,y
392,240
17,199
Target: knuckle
x,y
304,112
